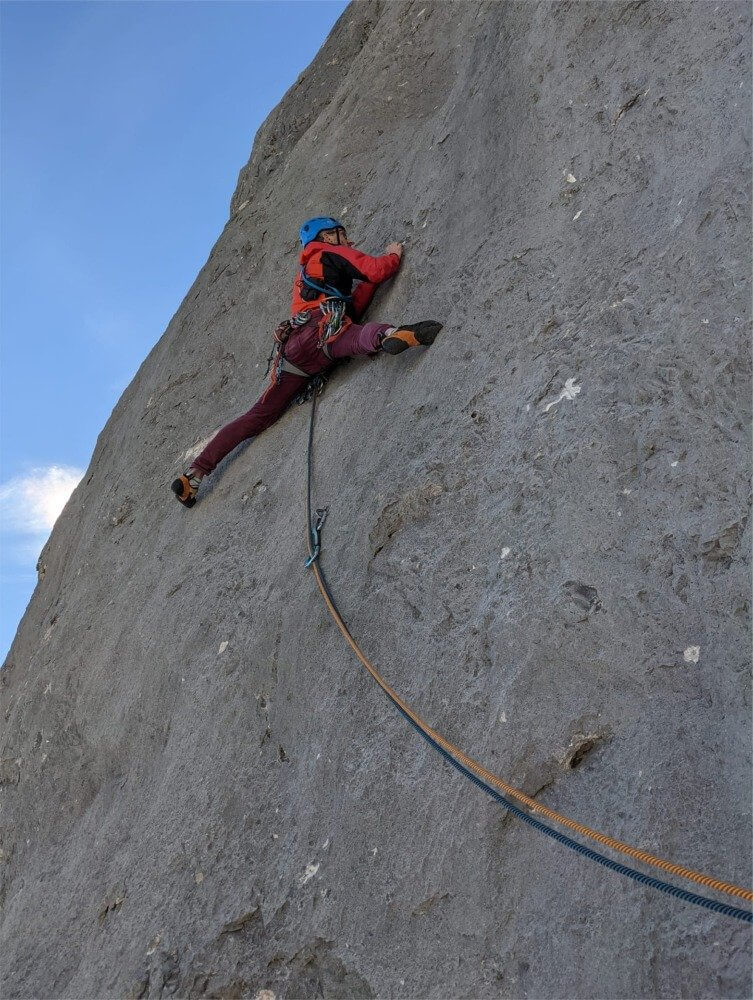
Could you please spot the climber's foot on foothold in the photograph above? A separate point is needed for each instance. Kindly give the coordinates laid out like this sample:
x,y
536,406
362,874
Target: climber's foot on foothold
x,y
185,488
411,335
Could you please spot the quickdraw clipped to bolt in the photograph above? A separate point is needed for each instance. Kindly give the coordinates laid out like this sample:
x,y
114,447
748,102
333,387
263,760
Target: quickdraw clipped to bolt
x,y
316,535
314,388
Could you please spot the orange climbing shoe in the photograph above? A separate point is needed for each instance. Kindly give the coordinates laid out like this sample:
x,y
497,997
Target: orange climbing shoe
x,y
411,335
185,488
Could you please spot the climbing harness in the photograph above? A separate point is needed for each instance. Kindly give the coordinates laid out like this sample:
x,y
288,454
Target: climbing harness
x,y
332,325
491,783
283,365
277,363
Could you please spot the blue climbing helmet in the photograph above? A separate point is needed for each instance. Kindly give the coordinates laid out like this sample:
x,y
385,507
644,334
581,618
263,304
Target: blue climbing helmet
x,y
311,229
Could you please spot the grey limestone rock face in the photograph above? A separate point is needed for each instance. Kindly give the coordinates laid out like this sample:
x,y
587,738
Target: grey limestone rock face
x,y
539,530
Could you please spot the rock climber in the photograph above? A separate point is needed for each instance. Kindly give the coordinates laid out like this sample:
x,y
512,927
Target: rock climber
x,y
323,328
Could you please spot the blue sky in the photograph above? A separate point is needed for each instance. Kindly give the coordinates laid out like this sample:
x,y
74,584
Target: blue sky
x,y
122,127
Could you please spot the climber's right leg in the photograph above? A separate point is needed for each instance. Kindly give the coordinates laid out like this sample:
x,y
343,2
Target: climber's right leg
x,y
268,408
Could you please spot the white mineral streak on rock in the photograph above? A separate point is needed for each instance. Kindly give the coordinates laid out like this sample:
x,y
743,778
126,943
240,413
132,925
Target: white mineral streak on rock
x,y
223,646
153,944
311,870
265,995
577,215
503,716
692,653
571,179
569,391
504,553
197,448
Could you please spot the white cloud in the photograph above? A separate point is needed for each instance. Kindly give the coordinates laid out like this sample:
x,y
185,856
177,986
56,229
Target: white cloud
x,y
30,504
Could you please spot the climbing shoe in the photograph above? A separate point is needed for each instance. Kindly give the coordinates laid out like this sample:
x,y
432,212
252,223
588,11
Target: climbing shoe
x,y
411,335
185,488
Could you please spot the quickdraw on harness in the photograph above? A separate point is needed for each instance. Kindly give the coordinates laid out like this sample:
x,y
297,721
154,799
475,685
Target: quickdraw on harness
x,y
333,323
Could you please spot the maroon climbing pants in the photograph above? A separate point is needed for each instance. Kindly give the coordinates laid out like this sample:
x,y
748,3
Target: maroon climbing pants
x,y
302,349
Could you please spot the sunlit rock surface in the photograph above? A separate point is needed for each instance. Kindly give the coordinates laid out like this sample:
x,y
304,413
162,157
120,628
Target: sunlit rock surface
x,y
538,530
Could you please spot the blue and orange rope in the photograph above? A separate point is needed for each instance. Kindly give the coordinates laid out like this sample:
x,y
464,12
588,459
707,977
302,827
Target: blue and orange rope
x,y
494,785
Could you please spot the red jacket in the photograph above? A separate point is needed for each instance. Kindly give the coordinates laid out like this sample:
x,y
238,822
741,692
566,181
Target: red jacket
x,y
338,267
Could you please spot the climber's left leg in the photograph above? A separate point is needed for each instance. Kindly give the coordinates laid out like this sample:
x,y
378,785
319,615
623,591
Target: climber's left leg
x,y
357,340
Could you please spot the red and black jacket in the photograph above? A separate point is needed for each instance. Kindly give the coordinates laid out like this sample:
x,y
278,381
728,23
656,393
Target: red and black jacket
x,y
337,267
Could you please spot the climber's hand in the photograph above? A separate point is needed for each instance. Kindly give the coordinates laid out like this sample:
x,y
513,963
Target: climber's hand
x,y
395,248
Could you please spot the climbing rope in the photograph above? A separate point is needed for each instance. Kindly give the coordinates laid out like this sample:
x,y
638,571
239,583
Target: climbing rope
x,y
491,783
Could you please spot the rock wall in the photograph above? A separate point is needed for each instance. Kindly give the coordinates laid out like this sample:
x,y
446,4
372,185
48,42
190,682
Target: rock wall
x,y
538,530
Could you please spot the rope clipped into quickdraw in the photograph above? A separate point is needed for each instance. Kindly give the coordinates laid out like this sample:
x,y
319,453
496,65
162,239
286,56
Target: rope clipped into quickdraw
x,y
490,783
316,535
